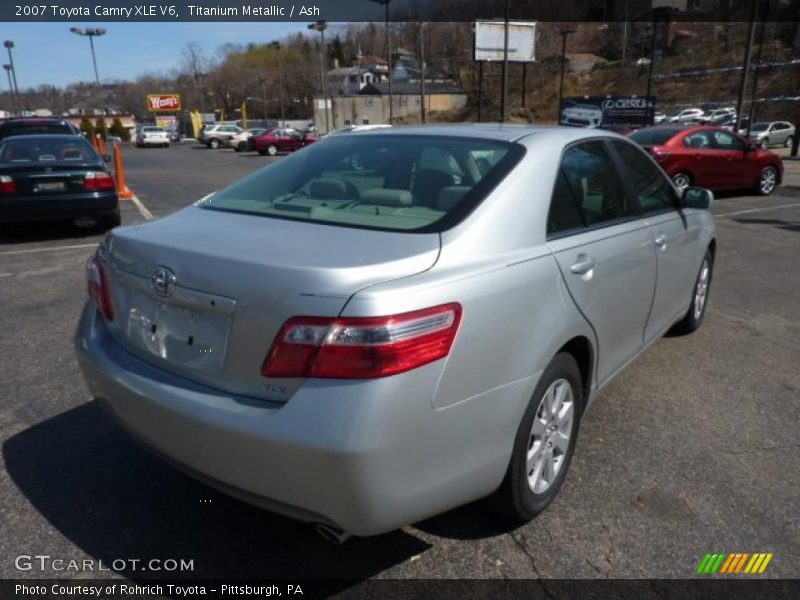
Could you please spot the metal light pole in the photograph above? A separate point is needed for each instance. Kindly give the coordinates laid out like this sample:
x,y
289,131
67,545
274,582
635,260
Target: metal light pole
x,y
564,33
11,89
91,33
746,66
385,3
277,47
9,44
321,26
752,114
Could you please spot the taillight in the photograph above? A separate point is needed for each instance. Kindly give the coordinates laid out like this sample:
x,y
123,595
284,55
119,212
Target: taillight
x,y
362,347
7,185
97,285
98,180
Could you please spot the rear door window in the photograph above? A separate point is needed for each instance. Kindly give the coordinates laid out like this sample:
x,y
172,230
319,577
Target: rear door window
x,y
597,186
654,191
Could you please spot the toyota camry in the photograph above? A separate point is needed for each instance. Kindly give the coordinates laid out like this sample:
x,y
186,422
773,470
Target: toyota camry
x,y
392,323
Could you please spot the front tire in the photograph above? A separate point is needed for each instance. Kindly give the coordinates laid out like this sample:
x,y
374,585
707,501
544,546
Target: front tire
x,y
545,442
764,144
788,143
697,310
767,181
213,144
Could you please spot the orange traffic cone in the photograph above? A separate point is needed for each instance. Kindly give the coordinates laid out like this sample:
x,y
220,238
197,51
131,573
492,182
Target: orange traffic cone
x,y
123,191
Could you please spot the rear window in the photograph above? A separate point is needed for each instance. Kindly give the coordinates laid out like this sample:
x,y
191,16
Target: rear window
x,y
152,130
56,149
35,127
386,182
654,136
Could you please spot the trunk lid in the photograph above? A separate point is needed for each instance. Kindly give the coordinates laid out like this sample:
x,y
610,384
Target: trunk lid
x,y
237,279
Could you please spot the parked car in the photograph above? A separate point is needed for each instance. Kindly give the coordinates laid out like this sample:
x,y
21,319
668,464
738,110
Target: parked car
x,y
150,135
36,126
373,331
643,62
715,114
214,134
711,157
585,115
56,177
686,116
775,133
659,117
240,141
277,140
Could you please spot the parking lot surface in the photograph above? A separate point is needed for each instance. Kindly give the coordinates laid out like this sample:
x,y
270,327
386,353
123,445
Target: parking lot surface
x,y
693,449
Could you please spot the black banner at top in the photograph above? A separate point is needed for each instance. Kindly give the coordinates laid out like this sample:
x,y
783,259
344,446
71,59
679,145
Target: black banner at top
x,y
375,10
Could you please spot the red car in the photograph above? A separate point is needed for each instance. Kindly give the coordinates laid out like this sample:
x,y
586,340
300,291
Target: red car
x,y
280,139
711,157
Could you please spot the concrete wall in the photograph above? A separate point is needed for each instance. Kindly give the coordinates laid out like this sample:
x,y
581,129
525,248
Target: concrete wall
x,y
373,110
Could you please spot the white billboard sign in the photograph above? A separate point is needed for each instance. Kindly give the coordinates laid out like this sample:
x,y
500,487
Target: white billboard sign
x,y
490,36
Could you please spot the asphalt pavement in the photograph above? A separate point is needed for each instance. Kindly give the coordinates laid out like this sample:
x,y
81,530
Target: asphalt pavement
x,y
693,449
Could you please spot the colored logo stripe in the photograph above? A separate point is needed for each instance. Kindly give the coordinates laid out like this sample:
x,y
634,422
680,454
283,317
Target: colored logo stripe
x,y
735,562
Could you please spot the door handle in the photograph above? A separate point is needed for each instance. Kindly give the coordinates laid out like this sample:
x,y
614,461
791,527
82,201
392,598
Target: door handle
x,y
583,266
661,241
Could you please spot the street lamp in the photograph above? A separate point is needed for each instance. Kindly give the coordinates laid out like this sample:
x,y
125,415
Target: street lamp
x,y
91,33
11,88
9,44
385,3
321,26
277,47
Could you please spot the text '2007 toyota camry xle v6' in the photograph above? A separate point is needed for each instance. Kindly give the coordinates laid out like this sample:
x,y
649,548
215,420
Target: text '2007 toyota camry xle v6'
x,y
389,324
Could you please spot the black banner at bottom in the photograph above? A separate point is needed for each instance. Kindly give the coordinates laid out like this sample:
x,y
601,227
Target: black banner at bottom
x,y
527,589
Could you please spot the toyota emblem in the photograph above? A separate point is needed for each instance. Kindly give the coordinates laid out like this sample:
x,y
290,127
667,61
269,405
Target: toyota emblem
x,y
163,281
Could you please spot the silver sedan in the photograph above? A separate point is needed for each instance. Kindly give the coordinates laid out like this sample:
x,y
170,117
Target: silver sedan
x,y
391,323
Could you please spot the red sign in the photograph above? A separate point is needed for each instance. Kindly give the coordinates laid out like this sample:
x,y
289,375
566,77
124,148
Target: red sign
x,y
163,102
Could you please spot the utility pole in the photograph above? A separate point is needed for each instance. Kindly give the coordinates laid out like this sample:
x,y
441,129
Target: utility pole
x,y
755,69
388,48
564,33
321,26
746,66
277,47
504,97
422,71
11,90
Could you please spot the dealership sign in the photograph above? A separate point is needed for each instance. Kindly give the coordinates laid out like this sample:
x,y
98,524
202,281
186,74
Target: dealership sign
x,y
163,102
608,112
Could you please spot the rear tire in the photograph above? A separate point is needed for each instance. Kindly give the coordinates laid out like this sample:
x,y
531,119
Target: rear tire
x,y
682,180
544,443
272,150
697,310
213,143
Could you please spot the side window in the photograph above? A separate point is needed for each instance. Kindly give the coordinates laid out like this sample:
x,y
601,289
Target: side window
x,y
727,141
564,214
699,140
594,181
651,187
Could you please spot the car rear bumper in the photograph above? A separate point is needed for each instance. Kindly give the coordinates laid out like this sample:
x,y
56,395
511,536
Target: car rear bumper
x,y
31,208
153,142
366,456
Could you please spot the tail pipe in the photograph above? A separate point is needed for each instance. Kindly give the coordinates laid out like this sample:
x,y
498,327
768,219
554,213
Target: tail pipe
x,y
332,534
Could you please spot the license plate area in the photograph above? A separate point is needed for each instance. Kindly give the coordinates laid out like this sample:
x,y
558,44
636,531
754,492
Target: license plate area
x,y
189,334
50,186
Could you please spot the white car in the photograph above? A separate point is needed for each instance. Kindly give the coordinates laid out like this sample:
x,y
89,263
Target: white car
x,y
585,115
239,141
152,136
717,113
214,134
687,115
659,117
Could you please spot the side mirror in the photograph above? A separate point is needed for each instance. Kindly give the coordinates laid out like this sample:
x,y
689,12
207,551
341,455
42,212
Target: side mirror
x,y
695,197
106,158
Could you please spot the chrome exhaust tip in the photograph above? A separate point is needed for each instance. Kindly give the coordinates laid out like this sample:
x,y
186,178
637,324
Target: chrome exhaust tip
x,y
334,535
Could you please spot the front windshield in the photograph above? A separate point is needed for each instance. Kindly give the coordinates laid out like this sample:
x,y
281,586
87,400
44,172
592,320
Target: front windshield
x,y
57,148
391,182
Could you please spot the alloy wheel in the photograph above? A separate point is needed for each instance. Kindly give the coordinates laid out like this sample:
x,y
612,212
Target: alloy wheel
x,y
768,180
701,290
681,181
548,442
